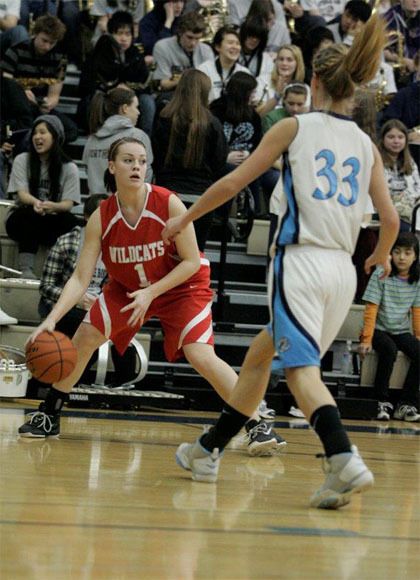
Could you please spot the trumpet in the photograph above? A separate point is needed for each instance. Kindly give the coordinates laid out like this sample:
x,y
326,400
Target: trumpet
x,y
216,15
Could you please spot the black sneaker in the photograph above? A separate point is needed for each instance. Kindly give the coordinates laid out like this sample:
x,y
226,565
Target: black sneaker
x,y
262,439
41,425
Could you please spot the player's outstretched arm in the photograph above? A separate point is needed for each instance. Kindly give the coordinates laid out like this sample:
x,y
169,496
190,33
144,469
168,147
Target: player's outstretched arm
x,y
273,144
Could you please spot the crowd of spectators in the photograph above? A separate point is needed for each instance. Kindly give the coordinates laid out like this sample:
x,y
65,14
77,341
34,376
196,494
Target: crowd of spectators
x,y
135,60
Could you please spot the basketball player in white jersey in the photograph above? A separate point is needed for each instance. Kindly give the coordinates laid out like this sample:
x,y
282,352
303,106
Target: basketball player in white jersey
x,y
330,165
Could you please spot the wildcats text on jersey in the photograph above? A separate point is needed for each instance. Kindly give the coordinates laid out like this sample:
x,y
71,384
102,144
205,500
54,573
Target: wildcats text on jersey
x,y
135,254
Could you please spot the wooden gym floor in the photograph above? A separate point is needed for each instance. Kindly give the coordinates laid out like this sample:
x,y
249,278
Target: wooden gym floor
x,y
107,501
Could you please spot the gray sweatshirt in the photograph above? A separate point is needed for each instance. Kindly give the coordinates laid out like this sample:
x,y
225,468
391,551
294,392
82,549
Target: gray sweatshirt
x,y
95,154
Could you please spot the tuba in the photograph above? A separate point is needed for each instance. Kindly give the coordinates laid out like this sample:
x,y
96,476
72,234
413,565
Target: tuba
x,y
215,13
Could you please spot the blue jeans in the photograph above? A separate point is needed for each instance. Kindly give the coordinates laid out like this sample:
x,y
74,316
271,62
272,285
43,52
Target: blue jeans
x,y
12,36
36,8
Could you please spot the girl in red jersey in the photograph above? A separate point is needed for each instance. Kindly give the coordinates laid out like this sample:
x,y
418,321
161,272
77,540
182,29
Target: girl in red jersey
x,y
146,278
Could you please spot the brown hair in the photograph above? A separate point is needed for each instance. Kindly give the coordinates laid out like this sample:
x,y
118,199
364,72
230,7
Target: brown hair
x,y
404,161
190,117
191,22
340,68
109,178
365,112
299,73
49,25
105,105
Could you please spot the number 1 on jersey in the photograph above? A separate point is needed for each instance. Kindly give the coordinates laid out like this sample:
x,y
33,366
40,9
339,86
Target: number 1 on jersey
x,y
144,282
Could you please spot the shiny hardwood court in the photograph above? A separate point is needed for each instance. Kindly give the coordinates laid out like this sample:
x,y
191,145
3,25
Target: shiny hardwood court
x,y
107,501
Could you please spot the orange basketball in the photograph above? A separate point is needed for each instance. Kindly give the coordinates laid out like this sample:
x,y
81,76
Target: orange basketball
x,y
51,357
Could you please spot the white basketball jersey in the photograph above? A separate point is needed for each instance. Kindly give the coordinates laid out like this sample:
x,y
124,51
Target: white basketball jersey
x,y
326,176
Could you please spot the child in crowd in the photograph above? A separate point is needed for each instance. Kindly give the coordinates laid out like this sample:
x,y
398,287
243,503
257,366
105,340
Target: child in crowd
x,y
387,327
401,172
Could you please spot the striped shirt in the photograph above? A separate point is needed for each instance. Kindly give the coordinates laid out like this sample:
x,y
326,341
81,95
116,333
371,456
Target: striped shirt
x,y
395,297
31,70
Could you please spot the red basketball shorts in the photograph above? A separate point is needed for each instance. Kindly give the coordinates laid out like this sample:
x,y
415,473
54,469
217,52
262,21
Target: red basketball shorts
x,y
184,313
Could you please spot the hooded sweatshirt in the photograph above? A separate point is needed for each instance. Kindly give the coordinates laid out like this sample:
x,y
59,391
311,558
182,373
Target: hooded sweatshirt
x,y
95,154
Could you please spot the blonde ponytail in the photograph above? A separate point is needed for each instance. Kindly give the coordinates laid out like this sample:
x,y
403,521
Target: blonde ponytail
x,y
364,57
340,68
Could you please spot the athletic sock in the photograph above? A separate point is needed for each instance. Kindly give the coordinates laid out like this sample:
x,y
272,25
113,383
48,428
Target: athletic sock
x,y
54,401
327,424
228,425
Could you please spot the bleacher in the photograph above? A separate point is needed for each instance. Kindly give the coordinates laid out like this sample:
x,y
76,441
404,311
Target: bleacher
x,y
244,314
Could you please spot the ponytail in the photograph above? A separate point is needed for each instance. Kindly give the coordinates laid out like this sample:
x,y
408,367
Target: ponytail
x,y
340,68
96,112
104,105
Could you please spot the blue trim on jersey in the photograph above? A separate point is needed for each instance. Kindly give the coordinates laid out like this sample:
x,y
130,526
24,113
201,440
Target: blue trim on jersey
x,y
294,346
289,228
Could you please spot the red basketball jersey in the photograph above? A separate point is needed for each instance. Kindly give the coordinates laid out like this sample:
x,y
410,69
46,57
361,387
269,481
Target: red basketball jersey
x,y
136,256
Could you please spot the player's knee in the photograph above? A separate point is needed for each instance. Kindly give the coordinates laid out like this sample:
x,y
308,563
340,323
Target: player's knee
x,y
87,338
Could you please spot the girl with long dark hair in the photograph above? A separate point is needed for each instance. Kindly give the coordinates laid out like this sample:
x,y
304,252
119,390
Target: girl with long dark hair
x,y
46,184
189,144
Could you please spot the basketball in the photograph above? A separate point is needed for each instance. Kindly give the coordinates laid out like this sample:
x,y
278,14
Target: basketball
x,y
51,357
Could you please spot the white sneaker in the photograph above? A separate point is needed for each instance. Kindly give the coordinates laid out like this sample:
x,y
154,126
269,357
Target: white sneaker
x,y
6,319
346,473
203,465
407,413
384,411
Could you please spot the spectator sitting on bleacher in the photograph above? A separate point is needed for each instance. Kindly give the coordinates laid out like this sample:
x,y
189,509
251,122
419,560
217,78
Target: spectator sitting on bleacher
x,y
387,327
314,41
221,68
272,13
405,107
180,52
40,67
113,115
47,186
10,31
345,25
243,131
58,267
189,143
401,172
253,36
105,9
115,60
289,67
161,22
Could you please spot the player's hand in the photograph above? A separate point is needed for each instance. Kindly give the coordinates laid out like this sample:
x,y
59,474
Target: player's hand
x,y
46,326
172,229
140,304
363,349
379,260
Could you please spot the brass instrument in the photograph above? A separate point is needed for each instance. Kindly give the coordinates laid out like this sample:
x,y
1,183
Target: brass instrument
x,y
216,15
85,5
396,40
28,83
291,23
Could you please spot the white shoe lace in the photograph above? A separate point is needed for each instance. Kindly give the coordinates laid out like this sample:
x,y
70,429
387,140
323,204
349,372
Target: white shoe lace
x,y
262,427
41,420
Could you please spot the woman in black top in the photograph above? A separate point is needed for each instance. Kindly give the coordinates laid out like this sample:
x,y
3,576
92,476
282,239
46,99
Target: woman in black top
x,y
243,130
189,146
